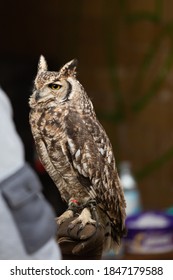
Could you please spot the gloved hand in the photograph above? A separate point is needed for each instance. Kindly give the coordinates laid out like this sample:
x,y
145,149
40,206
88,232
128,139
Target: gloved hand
x,y
76,243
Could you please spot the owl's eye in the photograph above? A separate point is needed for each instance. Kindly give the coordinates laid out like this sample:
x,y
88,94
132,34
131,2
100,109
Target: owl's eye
x,y
54,86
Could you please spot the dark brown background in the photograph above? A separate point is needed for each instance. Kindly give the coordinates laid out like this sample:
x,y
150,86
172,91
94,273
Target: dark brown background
x,y
125,53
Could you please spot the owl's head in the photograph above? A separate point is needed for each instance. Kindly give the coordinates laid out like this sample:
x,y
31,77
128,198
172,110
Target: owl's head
x,y
60,86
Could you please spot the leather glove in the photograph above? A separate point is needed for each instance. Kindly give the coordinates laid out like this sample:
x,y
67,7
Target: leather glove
x,y
76,243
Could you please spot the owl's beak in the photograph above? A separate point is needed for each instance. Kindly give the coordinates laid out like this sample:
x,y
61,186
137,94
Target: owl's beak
x,y
37,95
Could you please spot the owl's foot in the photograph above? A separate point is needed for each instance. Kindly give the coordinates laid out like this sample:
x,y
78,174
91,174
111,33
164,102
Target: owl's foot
x,y
66,215
84,218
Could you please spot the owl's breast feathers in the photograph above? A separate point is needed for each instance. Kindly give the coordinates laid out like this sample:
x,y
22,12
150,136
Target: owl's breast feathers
x,y
48,128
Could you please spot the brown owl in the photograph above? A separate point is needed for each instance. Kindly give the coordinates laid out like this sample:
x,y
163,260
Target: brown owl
x,y
75,150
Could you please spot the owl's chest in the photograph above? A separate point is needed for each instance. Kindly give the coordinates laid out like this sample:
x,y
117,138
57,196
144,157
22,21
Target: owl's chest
x,y
48,123
52,132
48,128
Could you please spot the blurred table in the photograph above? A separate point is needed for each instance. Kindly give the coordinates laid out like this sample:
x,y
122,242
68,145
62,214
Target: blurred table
x,y
163,256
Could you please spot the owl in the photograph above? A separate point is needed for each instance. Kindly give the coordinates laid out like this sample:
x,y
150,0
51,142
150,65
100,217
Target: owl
x,y
76,151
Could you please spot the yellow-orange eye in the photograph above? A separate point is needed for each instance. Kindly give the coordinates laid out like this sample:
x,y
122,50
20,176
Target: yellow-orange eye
x,y
54,86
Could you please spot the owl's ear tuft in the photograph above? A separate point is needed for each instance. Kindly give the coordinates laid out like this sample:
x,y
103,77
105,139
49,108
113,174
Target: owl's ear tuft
x,y
69,69
42,64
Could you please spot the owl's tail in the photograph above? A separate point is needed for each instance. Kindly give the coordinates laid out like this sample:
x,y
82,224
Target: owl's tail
x,y
113,231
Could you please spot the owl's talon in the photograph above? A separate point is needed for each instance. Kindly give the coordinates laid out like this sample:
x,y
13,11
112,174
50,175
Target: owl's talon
x,y
80,227
71,226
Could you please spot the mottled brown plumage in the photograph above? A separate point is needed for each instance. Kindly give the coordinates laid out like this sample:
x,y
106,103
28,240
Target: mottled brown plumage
x,y
75,149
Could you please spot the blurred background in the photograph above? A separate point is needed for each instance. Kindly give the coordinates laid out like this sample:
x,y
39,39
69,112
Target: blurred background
x,y
125,53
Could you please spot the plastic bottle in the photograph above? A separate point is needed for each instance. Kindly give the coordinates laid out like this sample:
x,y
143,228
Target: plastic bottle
x,y
130,188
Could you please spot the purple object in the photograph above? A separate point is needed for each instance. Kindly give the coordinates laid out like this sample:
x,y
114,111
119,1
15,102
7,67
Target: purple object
x,y
149,233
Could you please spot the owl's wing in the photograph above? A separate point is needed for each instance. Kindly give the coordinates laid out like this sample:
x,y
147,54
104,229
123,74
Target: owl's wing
x,y
90,154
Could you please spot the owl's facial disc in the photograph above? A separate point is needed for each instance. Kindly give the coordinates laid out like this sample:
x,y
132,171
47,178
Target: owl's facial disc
x,y
59,90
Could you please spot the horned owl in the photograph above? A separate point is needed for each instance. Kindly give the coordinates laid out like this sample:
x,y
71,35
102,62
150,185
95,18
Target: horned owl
x,y
75,149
